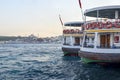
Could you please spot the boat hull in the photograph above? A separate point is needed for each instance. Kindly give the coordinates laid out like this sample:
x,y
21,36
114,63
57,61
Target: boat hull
x,y
70,51
90,57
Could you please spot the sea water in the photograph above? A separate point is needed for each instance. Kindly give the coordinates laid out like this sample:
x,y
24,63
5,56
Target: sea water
x,y
46,62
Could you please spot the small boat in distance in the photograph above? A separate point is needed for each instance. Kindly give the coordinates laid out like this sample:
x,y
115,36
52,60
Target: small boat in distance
x,y
106,41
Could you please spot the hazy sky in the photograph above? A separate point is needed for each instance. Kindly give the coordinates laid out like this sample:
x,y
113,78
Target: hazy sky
x,y
24,17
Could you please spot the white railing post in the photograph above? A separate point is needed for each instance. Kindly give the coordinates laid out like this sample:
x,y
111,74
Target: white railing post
x,y
71,39
96,40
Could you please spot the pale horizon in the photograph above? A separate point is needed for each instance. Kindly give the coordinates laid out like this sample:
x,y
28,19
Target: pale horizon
x,y
25,17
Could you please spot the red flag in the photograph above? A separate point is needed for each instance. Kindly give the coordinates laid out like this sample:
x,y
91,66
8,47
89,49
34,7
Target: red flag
x,y
80,4
60,20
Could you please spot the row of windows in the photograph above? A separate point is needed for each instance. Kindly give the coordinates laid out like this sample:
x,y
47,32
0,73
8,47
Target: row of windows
x,y
89,41
76,41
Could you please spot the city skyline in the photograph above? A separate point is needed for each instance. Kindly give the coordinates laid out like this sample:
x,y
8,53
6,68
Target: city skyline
x,y
25,17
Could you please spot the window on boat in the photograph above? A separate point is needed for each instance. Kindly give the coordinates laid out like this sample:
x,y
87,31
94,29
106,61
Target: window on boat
x,y
81,40
77,41
92,40
116,41
67,40
64,40
89,41
85,42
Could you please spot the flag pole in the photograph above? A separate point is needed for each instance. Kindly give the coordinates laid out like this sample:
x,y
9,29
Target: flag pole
x,y
62,24
83,17
80,4
61,20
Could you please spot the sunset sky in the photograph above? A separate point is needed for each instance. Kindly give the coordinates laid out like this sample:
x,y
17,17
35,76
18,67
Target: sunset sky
x,y
25,17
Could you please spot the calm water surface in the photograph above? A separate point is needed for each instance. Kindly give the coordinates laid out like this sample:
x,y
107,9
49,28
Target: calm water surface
x,y
46,62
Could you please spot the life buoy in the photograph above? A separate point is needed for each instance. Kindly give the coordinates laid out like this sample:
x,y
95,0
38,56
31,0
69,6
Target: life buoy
x,y
95,24
100,25
92,25
77,31
109,25
116,39
71,31
116,25
64,31
89,26
104,25
116,22
67,31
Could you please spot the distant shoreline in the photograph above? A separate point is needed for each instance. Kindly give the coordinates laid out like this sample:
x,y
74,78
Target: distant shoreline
x,y
29,39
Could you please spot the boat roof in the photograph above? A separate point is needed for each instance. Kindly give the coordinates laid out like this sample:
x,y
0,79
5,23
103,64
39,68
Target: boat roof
x,y
74,24
104,11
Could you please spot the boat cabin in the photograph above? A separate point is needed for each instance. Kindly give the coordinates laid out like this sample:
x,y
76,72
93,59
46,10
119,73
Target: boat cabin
x,y
72,34
105,45
106,27
72,38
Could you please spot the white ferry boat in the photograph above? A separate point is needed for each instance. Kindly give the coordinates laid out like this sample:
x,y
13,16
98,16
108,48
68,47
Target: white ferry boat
x,y
72,38
106,41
